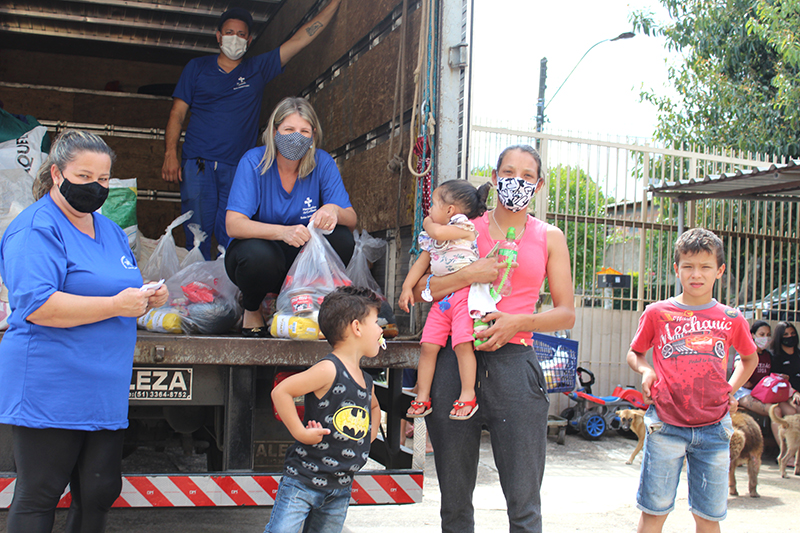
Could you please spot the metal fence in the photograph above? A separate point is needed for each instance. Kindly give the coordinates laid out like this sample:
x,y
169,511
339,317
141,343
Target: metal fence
x,y
598,194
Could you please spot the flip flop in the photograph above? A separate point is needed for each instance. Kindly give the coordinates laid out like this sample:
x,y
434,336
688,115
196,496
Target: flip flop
x,y
460,405
416,405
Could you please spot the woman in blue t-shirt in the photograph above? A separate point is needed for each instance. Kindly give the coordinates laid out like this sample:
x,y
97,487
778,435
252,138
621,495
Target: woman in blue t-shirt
x,y
65,362
277,190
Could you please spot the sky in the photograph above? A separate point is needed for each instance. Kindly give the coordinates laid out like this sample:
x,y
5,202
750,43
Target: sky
x,y
600,99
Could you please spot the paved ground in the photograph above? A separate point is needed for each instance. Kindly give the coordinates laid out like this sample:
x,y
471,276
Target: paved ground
x,y
587,488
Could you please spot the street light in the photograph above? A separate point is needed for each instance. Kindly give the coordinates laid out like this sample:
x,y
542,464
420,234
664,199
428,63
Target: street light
x,y
541,107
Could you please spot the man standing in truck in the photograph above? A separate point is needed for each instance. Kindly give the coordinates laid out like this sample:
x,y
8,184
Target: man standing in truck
x,y
223,93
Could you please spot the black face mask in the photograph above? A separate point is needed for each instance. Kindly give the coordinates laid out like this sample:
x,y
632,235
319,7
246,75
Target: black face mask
x,y
789,342
85,198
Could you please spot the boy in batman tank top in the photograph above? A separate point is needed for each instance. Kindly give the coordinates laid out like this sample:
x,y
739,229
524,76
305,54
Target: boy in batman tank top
x,y
341,418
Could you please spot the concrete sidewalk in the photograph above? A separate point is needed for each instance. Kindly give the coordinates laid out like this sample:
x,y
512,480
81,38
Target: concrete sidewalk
x,y
589,488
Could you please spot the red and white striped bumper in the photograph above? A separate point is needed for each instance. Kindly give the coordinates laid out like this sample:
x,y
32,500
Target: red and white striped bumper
x,y
165,490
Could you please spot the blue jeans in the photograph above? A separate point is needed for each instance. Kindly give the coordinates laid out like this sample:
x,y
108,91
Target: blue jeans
x,y
323,511
205,187
707,453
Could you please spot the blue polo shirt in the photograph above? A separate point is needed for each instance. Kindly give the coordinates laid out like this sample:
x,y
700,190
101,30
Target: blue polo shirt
x,y
70,378
225,106
261,197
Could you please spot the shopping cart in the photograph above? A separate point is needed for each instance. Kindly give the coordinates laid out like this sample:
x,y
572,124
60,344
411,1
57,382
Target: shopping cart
x,y
558,358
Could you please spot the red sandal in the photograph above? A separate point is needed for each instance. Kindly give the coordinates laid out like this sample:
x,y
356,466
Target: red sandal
x,y
460,405
416,405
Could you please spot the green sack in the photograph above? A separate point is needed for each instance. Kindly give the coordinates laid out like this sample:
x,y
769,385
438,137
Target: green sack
x,y
120,206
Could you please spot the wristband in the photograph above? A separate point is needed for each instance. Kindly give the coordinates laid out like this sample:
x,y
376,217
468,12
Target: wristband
x,y
426,294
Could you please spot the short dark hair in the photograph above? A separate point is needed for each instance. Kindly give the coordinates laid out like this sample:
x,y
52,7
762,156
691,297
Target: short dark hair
x,y
471,201
758,324
237,13
341,307
698,240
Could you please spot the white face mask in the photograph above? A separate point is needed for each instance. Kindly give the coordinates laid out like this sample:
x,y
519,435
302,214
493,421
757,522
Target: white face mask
x,y
233,46
762,342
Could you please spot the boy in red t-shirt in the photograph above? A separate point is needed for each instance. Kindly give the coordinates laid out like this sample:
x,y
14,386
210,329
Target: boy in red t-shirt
x,y
690,335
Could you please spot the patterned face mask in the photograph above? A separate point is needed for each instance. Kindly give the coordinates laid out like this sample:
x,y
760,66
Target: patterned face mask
x,y
762,342
515,193
293,146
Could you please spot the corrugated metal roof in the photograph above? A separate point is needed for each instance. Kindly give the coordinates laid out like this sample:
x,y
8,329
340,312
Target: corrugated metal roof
x,y
780,183
169,26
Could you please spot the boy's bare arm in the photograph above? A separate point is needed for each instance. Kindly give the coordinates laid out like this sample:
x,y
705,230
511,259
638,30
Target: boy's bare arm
x,y
317,379
445,232
639,364
743,371
374,416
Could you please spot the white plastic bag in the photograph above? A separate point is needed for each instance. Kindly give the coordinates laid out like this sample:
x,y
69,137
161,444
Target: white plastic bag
x,y
316,271
15,195
23,153
368,250
164,263
5,308
194,255
207,301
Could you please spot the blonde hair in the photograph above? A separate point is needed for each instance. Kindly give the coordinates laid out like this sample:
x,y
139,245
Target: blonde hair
x,y
65,149
286,107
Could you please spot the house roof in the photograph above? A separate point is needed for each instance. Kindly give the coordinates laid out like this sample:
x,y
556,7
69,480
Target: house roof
x,y
776,182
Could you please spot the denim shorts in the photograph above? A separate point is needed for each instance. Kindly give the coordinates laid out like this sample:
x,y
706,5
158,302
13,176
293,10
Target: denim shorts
x,y
707,453
323,511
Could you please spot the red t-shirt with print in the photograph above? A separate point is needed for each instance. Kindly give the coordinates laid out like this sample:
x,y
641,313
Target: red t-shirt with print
x,y
690,357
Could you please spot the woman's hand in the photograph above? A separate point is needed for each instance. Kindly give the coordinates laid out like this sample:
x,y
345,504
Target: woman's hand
x,y
295,236
325,218
159,298
484,270
132,302
503,330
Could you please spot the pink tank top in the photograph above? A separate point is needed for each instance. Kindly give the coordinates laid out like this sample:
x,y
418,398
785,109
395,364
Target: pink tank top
x,y
529,276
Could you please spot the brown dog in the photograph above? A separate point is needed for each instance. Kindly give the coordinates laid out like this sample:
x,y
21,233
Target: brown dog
x,y
633,420
789,439
747,443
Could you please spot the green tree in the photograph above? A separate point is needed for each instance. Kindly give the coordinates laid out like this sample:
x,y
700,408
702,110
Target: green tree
x,y
573,193
738,84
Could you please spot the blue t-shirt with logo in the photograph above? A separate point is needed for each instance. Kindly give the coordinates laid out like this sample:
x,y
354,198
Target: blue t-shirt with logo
x,y
261,197
71,378
225,106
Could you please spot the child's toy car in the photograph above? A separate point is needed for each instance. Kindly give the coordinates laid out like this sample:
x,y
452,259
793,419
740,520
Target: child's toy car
x,y
593,415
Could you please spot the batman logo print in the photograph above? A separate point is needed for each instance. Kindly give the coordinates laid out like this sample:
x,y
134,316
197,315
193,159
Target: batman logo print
x,y
352,421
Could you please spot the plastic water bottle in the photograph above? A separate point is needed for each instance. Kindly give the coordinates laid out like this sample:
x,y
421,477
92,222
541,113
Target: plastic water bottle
x,y
506,255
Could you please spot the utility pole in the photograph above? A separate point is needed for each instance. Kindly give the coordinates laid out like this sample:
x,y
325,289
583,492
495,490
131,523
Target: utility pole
x,y
540,100
540,107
